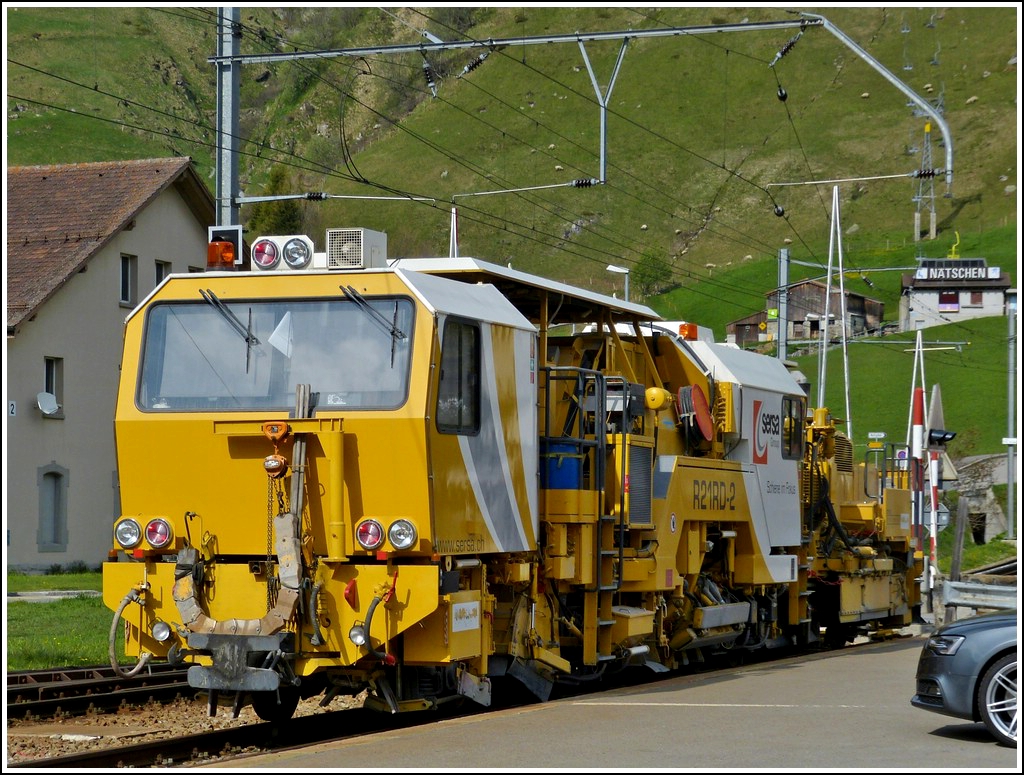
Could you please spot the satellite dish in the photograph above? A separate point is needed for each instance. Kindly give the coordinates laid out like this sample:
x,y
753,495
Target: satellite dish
x,y
47,403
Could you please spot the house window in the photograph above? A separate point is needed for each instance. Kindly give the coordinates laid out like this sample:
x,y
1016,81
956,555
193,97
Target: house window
x,y
458,391
977,298
53,383
52,531
949,301
163,268
129,283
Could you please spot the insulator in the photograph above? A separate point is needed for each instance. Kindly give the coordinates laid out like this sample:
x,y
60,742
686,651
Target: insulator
x,y
929,173
782,94
474,64
584,183
779,211
316,196
428,73
785,49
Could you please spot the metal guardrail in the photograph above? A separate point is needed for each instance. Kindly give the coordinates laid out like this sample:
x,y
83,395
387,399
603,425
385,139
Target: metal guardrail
x,y
967,594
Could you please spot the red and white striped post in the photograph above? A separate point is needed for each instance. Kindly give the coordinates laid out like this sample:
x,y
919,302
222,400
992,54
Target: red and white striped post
x,y
917,477
933,521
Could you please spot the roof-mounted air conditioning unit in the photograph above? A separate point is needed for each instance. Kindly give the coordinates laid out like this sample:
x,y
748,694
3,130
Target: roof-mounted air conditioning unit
x,y
355,249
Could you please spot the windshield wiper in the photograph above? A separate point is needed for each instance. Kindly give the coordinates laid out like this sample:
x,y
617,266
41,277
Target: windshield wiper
x,y
390,327
244,331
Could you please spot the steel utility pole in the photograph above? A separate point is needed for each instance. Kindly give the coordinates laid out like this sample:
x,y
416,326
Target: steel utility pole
x,y
926,187
229,36
783,302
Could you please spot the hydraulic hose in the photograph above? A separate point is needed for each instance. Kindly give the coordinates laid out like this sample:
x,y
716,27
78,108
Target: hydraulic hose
x,y
131,597
314,621
369,620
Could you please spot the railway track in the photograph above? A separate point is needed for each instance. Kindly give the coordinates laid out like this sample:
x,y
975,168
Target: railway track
x,y
205,746
76,691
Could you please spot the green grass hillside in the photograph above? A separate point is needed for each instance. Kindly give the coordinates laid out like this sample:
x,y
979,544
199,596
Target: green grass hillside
x,y
701,151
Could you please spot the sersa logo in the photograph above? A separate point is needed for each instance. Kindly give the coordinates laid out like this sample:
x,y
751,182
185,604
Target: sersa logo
x,y
767,426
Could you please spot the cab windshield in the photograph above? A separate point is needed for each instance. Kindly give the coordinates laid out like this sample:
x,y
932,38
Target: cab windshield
x,y
212,354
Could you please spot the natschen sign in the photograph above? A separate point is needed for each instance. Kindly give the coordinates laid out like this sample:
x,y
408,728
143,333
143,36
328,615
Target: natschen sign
x,y
965,269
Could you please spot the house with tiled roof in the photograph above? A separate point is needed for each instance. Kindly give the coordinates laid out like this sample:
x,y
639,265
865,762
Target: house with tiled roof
x,y
84,244
805,313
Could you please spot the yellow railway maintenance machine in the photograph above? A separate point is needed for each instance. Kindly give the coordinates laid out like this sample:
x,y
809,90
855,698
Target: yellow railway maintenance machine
x,y
413,477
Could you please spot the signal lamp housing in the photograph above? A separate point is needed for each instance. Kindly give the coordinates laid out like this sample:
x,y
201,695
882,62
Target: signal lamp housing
x,y
370,534
295,250
937,437
265,254
158,533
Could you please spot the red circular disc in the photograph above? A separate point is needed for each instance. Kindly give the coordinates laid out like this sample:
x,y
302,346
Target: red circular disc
x,y
702,413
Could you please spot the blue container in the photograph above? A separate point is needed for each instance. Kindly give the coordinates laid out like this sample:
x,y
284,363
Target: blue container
x,y
561,469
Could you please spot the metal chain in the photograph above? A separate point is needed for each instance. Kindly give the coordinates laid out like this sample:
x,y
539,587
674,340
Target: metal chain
x,y
273,487
270,539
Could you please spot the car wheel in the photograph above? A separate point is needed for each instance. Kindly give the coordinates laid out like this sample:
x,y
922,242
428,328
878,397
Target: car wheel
x,y
997,699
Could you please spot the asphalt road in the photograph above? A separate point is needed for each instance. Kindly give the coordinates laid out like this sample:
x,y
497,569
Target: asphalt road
x,y
841,710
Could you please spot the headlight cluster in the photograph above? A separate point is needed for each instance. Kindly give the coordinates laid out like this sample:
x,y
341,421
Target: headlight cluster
x,y
129,534
267,252
945,645
370,534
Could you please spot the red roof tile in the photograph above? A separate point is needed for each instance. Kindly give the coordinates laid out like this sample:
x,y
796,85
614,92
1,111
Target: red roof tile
x,y
59,216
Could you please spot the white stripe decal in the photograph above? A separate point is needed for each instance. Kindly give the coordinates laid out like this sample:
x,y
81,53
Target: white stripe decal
x,y
526,397
486,460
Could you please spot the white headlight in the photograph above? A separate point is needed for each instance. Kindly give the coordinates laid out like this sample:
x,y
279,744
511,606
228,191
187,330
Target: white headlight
x,y
402,534
127,533
297,252
161,631
357,634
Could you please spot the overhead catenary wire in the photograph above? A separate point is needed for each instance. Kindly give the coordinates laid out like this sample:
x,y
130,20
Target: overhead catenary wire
x,y
778,209
428,17
177,136
299,163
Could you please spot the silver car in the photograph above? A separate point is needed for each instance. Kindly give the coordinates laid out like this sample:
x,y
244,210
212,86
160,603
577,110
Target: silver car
x,y
968,670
